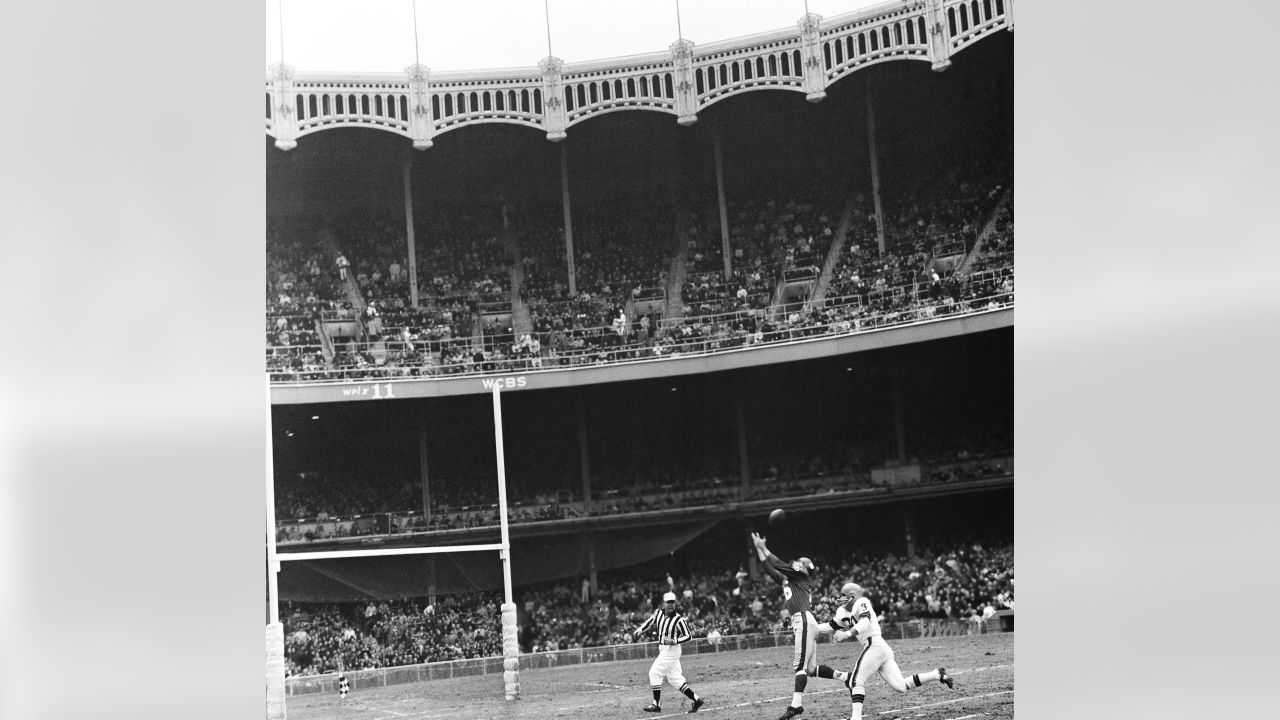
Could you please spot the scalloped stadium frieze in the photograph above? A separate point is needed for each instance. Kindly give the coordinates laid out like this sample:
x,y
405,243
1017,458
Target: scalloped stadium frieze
x,y
771,60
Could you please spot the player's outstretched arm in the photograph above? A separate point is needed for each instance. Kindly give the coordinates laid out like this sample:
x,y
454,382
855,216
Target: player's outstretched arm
x,y
762,549
772,571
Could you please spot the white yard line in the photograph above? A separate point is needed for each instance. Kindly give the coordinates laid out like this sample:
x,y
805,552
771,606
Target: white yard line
x,y
945,702
980,669
422,715
602,686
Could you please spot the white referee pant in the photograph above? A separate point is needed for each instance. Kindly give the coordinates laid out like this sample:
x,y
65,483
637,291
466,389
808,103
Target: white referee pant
x,y
667,665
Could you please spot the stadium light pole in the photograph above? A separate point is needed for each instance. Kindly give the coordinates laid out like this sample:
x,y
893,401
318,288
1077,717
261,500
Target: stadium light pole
x,y
568,219
280,16
724,208
873,153
410,241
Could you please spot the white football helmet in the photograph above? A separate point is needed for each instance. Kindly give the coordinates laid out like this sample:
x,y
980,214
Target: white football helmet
x,y
852,590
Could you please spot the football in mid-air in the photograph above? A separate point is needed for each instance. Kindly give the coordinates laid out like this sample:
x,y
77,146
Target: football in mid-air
x,y
777,517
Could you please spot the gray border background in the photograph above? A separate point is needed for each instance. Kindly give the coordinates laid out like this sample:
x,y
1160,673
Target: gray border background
x,y
132,440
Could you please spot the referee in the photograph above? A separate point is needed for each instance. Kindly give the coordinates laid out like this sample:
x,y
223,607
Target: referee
x,y
672,630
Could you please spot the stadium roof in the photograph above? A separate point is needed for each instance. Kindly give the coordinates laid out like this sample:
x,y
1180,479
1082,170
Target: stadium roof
x,y
378,36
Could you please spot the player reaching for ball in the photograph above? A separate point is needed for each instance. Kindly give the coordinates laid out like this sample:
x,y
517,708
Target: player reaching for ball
x,y
794,577
673,630
856,618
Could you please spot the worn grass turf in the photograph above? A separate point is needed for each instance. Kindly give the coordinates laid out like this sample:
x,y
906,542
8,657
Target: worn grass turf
x,y
739,685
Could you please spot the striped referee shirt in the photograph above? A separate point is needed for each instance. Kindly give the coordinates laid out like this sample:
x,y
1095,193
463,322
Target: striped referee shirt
x,y
672,626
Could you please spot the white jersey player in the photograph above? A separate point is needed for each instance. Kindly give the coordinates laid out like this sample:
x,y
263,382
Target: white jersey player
x,y
856,618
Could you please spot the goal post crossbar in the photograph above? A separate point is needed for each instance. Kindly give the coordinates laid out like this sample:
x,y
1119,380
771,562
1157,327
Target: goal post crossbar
x,y
275,629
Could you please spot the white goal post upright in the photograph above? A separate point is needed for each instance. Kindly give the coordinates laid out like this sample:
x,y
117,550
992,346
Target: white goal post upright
x,y
510,639
275,629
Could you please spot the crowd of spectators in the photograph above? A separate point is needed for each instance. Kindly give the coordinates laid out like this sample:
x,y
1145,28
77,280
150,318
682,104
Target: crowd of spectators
x,y
622,250
303,287
621,257
318,506
786,234
329,637
946,210
932,221
621,253
647,339
963,580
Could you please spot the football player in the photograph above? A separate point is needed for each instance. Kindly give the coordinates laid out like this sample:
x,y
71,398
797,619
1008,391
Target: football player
x,y
794,577
855,618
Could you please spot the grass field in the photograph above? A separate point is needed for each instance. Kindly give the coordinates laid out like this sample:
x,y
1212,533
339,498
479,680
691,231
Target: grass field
x,y
738,685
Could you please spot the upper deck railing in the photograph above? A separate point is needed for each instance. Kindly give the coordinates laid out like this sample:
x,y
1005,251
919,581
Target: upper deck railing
x,y
987,304
685,79
705,335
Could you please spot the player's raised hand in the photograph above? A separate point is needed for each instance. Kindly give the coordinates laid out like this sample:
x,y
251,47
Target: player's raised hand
x,y
758,540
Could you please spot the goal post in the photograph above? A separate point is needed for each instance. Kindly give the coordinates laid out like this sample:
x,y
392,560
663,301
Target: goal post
x,y
275,641
510,638
275,629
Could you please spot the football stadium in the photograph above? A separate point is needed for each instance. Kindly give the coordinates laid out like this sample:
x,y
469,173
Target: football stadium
x,y
547,345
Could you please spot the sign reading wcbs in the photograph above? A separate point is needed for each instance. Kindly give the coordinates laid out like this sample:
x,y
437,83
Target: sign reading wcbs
x,y
386,391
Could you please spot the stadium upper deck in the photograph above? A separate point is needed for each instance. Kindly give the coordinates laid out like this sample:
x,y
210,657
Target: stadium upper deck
x,y
772,229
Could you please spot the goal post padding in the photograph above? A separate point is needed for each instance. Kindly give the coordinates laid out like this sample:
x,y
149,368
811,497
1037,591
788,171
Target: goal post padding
x,y
510,652
275,672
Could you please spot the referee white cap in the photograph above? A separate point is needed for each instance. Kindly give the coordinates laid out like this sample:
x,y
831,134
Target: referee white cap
x,y
669,597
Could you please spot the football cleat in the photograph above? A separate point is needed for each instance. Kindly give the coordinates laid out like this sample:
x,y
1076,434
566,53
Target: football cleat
x,y
791,712
696,704
653,707
944,678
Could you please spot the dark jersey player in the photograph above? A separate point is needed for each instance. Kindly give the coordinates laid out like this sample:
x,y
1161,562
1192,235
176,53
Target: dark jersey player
x,y
794,577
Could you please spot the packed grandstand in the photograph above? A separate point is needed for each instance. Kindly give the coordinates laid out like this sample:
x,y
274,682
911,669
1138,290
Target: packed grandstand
x,y
963,581
819,246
